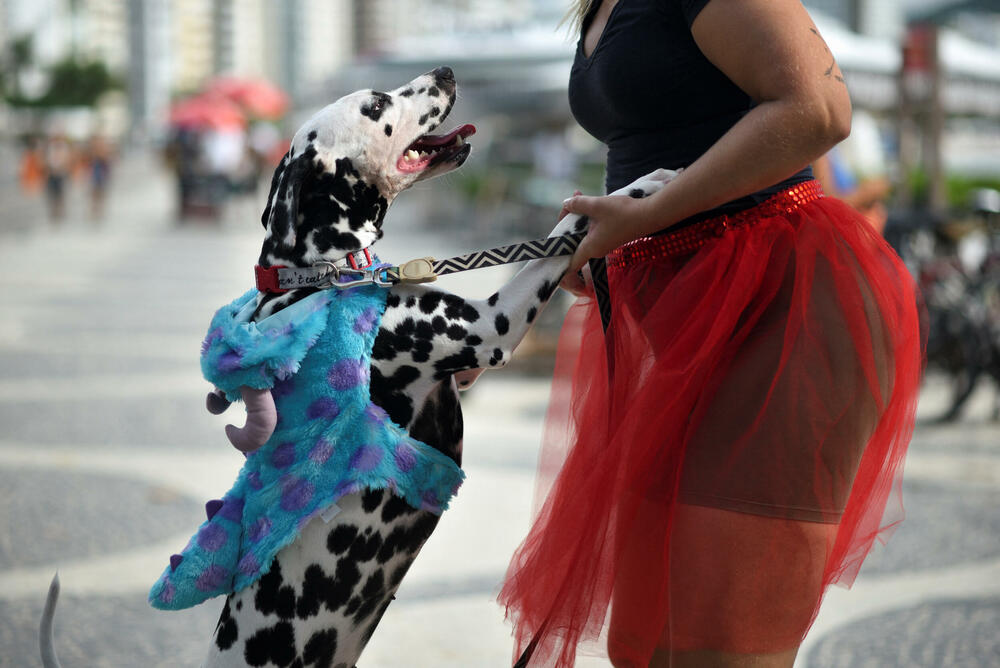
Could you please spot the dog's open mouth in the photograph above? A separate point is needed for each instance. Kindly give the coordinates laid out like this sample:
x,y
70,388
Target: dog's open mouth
x,y
429,150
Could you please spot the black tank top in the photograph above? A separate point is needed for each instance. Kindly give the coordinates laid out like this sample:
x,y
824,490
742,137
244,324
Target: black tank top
x,y
652,97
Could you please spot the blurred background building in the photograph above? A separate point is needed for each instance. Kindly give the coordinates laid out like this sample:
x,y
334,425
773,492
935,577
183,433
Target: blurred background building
x,y
925,72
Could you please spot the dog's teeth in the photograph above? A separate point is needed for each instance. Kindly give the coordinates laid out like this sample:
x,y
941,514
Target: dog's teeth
x,y
459,141
412,155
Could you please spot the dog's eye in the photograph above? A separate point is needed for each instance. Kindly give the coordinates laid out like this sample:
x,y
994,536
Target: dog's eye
x,y
377,104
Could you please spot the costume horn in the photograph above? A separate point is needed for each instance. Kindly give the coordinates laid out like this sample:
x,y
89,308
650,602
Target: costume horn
x,y
262,418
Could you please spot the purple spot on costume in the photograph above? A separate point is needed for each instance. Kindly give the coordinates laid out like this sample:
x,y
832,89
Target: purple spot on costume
x,y
325,408
283,456
211,537
405,456
321,451
366,321
366,458
348,373
212,578
296,493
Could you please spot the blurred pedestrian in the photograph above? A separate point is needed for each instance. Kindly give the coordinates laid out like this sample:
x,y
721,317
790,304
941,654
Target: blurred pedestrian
x,y
31,173
58,164
730,442
99,158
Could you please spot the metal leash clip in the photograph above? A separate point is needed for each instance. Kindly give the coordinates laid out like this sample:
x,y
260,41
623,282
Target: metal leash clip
x,y
419,270
377,277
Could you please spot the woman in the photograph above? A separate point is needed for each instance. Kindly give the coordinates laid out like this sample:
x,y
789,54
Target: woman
x,y
734,436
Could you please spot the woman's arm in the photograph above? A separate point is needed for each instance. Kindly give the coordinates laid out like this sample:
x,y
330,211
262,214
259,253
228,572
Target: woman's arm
x,y
772,50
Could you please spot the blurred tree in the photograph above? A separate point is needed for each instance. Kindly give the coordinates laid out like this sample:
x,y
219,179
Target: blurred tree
x,y
72,81
77,83
19,57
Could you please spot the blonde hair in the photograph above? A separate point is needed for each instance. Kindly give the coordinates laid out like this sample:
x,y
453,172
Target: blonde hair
x,y
577,13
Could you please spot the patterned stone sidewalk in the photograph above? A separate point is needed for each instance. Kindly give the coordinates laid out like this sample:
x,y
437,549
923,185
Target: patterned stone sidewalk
x,y
107,454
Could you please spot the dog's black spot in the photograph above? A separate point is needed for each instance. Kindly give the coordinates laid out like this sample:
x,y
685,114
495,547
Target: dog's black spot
x,y
365,548
421,350
424,330
338,540
398,575
366,636
406,93
388,130
456,332
422,120
352,606
410,301
315,586
274,644
392,301
545,290
474,340
395,507
333,592
239,605
421,91
532,312
321,648
347,578
420,532
439,423
311,136
492,301
636,193
273,596
456,308
371,499
435,112
391,544
372,595
377,106
464,359
502,324
429,301
433,91
226,632
439,324
497,356
390,392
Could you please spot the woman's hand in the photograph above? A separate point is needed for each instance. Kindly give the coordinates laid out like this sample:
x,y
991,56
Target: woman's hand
x,y
614,220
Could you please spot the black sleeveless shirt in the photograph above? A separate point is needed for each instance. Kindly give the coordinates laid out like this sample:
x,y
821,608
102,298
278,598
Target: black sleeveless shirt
x,y
652,97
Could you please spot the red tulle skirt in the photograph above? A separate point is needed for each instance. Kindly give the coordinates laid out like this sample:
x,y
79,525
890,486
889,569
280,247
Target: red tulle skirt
x,y
729,447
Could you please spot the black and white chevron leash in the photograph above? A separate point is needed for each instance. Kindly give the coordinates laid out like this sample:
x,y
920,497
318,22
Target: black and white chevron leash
x,y
533,250
520,252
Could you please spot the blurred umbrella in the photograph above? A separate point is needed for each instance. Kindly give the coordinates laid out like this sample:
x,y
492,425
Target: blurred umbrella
x,y
207,111
258,97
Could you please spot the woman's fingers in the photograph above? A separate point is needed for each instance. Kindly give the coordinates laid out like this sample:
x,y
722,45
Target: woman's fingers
x,y
564,210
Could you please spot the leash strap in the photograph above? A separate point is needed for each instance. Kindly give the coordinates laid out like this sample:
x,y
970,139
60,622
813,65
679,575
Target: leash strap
x,y
519,252
350,273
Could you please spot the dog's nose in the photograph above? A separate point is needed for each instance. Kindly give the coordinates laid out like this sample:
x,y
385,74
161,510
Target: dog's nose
x,y
444,75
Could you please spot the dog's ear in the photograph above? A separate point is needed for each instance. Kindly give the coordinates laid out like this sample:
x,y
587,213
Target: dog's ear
x,y
265,217
281,215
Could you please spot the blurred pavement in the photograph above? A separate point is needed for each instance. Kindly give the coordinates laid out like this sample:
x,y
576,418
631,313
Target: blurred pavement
x,y
107,455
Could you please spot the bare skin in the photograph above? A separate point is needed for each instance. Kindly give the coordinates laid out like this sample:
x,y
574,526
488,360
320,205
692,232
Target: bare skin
x,y
772,50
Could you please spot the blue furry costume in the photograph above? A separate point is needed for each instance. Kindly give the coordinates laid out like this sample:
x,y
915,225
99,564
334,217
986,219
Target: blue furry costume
x,y
330,440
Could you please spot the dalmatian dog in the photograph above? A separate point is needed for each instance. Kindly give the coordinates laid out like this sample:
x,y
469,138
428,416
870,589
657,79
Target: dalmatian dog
x,y
324,594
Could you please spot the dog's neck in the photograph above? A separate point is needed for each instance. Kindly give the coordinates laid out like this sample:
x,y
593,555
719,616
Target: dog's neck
x,y
319,213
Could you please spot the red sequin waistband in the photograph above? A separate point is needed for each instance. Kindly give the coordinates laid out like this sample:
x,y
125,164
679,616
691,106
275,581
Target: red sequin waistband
x,y
687,240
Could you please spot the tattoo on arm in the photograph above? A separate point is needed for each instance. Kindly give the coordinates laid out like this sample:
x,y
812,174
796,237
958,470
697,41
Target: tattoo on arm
x,y
833,71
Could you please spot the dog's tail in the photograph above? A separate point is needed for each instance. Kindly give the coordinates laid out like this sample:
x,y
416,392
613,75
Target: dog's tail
x,y
46,642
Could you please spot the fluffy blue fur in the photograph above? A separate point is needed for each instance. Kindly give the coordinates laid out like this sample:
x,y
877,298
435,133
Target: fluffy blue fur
x,y
315,356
